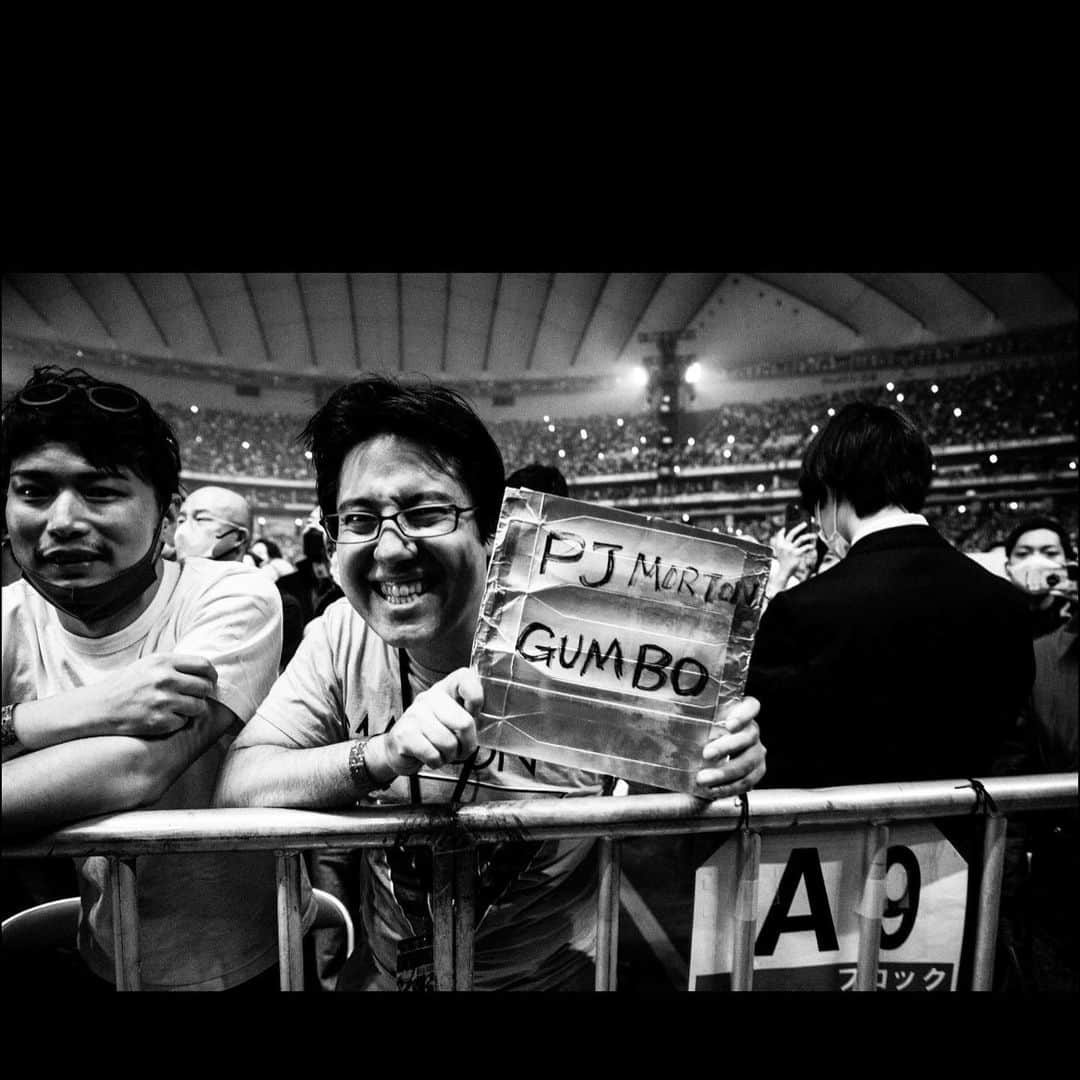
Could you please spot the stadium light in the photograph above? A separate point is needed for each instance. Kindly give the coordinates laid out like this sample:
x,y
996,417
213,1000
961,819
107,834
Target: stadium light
x,y
693,373
246,445
584,433
961,509
639,376
727,453
690,441
813,429
307,454
562,453
634,450
677,469
619,422
900,397
1014,506
262,521
686,517
832,411
194,408
642,440
730,439
890,387
993,459
957,412
933,388
551,428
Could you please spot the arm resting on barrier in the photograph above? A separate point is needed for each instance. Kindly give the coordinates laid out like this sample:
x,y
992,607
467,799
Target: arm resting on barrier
x,y
152,698
86,777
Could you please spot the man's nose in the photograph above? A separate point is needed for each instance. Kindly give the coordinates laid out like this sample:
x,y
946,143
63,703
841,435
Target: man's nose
x,y
67,513
391,543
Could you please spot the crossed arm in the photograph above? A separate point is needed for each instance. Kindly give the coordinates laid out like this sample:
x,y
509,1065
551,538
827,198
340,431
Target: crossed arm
x,y
110,747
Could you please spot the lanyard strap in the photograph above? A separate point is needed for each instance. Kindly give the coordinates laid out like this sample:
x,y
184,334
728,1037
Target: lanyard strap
x,y
414,779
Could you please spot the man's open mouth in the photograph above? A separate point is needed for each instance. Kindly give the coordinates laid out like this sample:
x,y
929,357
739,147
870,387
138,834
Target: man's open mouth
x,y
400,592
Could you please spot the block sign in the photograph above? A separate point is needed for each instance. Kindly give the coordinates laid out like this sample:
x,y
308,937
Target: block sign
x,y
607,641
810,891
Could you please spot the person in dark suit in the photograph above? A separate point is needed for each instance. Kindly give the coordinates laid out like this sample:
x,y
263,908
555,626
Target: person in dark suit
x,y
908,660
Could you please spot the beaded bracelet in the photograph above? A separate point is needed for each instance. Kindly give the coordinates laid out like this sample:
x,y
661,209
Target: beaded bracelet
x,y
359,771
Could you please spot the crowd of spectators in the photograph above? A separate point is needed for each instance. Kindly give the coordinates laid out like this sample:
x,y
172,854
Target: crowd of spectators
x,y
995,406
1035,345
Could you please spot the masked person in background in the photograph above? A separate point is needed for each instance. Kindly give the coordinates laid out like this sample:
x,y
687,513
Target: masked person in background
x,y
126,678
1039,559
213,523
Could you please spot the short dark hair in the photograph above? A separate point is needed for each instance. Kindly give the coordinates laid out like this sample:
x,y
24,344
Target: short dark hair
x,y
1039,522
871,455
438,419
539,477
139,440
272,550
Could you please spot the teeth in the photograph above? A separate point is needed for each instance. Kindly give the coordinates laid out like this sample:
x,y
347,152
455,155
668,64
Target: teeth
x,y
400,592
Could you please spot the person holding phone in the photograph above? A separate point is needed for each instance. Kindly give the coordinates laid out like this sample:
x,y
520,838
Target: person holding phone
x,y
1039,559
796,551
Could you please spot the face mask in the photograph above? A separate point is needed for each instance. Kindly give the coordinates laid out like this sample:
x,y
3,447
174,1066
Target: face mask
x,y
92,603
834,541
190,540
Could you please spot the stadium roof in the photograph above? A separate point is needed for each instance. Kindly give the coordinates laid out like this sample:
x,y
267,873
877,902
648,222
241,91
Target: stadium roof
x,y
516,325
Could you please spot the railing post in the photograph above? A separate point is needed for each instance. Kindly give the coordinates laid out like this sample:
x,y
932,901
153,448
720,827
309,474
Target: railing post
x,y
748,862
442,903
464,917
986,926
607,914
872,906
125,910
290,940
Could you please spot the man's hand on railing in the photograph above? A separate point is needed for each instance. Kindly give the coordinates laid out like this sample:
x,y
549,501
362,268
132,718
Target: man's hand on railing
x,y
735,761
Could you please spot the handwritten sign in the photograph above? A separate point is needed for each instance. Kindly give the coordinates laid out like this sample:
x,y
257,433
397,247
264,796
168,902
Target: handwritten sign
x,y
608,640
809,891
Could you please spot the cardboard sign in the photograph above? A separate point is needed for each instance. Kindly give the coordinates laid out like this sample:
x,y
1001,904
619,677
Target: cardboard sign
x,y
810,887
607,641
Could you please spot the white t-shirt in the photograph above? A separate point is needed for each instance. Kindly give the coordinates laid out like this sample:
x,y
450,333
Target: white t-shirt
x,y
207,922
344,683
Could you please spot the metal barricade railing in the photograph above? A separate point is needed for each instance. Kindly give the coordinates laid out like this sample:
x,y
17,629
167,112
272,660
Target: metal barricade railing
x,y
453,833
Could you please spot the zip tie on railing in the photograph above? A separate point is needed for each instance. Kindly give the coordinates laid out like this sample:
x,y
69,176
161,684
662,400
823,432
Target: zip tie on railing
x,y
744,816
983,798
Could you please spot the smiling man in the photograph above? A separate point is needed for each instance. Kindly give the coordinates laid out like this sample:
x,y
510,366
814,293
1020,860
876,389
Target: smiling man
x,y
125,676
378,705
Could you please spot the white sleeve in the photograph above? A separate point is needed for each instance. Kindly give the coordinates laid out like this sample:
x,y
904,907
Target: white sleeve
x,y
236,625
307,703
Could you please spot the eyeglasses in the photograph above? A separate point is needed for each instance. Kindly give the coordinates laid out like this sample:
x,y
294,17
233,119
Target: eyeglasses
x,y
415,523
108,397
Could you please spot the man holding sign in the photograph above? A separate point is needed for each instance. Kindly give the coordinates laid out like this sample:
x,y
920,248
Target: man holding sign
x,y
379,705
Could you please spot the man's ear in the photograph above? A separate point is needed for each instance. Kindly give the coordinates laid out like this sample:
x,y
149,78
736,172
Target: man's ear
x,y
173,508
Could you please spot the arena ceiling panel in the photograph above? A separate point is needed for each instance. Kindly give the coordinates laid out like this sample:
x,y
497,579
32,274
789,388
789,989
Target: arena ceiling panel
x,y
516,325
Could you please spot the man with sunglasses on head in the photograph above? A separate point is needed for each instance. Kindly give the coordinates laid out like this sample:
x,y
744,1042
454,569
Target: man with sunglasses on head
x,y
378,705
126,676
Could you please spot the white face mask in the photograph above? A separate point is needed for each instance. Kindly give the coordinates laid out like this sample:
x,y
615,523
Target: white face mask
x,y
833,541
191,539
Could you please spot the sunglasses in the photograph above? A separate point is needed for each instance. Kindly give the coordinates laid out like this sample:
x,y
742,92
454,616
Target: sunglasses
x,y
108,397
